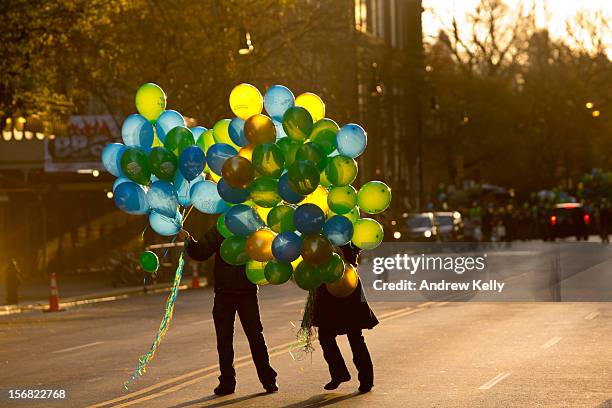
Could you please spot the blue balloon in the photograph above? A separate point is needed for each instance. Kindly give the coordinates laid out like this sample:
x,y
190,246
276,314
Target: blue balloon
x,y
286,246
280,131
164,225
183,188
111,158
197,131
236,132
137,131
352,140
277,100
231,194
309,218
217,154
169,119
205,198
242,220
131,198
338,230
191,162
286,192
163,199
118,181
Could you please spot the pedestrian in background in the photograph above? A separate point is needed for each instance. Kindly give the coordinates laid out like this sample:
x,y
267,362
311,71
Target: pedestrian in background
x,y
11,281
604,223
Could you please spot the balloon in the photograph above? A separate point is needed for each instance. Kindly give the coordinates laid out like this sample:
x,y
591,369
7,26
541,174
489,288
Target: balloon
x,y
286,246
374,197
242,220
264,191
312,153
352,215
351,140
162,198
192,162
222,228
297,123
277,272
178,139
246,152
150,100
306,276
341,170
111,158
280,218
131,198
205,197
205,140
217,155
313,104
231,194
324,181
367,233
286,192
118,181
165,226
137,131
303,177
221,133
262,211
233,250
259,129
308,219
316,249
259,245
280,132
135,165
167,121
341,200
333,269
255,272
346,285
149,262
338,229
163,163
289,148
236,132
318,198
268,159
183,188
245,101
324,135
277,100
238,172
198,131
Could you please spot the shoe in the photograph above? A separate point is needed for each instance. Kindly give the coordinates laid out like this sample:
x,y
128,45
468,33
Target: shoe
x,y
363,388
335,382
270,388
224,389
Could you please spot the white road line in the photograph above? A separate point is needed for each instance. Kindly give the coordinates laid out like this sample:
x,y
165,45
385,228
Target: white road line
x,y
295,302
551,342
493,381
203,321
591,316
95,343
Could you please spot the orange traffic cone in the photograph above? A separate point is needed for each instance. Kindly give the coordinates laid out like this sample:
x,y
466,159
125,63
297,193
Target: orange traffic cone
x,y
195,278
54,297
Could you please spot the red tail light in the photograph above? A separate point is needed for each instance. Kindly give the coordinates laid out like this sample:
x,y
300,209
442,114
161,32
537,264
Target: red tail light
x,y
553,220
587,218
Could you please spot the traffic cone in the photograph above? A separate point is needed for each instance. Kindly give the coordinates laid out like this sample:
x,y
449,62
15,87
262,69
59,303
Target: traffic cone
x,y
195,278
54,297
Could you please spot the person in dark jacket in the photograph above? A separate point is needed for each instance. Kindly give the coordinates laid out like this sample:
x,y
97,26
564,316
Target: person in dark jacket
x,y
348,316
233,293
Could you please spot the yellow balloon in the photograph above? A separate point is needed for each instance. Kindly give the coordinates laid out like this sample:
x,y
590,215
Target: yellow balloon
x,y
318,198
247,152
367,233
346,285
214,176
313,104
150,100
263,212
157,142
245,101
295,263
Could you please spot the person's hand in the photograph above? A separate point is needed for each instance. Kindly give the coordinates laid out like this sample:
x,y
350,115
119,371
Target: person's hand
x,y
183,235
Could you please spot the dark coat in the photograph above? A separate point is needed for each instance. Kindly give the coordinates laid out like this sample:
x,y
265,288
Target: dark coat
x,y
341,315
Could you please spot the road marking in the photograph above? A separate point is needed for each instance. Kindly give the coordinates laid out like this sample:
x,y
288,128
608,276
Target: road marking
x,y
591,316
95,343
493,381
551,342
203,321
295,302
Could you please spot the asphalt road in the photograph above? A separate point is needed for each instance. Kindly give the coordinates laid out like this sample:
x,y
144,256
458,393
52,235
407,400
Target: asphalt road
x,y
426,354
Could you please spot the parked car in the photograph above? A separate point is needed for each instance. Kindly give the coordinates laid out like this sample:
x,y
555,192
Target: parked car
x,y
421,227
450,226
569,219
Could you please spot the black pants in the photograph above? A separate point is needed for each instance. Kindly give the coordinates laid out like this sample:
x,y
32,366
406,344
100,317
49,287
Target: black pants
x,y
224,312
333,357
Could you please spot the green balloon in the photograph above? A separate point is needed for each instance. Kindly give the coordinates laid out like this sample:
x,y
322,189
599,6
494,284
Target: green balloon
x,y
341,200
303,177
233,250
277,272
289,148
311,152
297,123
135,165
255,272
332,270
221,132
324,135
352,215
367,233
163,163
280,219
374,197
149,261
205,140
264,192
268,159
222,228
341,170
324,181
178,139
307,276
